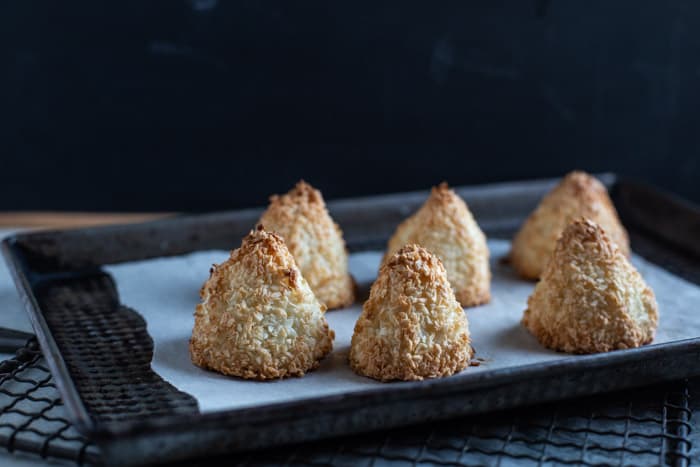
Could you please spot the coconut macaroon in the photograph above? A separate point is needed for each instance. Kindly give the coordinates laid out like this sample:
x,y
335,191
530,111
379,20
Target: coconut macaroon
x,y
577,195
411,327
590,298
445,227
315,241
259,318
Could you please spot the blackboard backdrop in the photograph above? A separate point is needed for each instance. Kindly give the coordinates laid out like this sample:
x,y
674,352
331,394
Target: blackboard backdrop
x,y
203,105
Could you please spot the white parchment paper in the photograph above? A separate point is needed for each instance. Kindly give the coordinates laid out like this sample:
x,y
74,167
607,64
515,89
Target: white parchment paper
x,y
166,290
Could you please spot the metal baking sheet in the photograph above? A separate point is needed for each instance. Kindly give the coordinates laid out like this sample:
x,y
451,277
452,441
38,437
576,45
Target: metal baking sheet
x,y
168,301
100,351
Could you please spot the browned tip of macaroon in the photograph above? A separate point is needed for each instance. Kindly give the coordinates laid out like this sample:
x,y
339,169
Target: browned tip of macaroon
x,y
301,193
306,191
272,243
442,194
415,258
441,187
584,234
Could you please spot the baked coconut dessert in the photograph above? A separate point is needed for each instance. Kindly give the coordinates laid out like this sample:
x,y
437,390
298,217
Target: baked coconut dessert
x,y
577,195
412,327
445,227
590,297
258,317
315,241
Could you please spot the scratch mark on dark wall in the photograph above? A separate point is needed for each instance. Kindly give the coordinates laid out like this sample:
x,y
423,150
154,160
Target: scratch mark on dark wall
x,y
166,48
556,102
203,5
442,61
445,59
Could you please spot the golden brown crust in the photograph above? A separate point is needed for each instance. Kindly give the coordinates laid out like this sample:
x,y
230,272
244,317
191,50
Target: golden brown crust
x,y
445,227
258,318
577,195
590,298
315,241
412,326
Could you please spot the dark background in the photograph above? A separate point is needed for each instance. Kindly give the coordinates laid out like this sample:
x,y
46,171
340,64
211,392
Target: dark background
x,y
205,105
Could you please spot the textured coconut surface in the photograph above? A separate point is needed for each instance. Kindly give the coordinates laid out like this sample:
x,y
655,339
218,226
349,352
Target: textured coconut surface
x,y
166,290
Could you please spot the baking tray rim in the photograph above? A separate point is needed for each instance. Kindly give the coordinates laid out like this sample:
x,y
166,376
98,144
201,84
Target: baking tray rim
x,y
412,390
404,391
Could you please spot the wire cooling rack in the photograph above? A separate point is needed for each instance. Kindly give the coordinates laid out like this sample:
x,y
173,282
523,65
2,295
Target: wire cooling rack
x,y
652,426
32,417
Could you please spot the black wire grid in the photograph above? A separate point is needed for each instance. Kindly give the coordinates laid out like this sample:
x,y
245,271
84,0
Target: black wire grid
x,y
651,426
32,417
